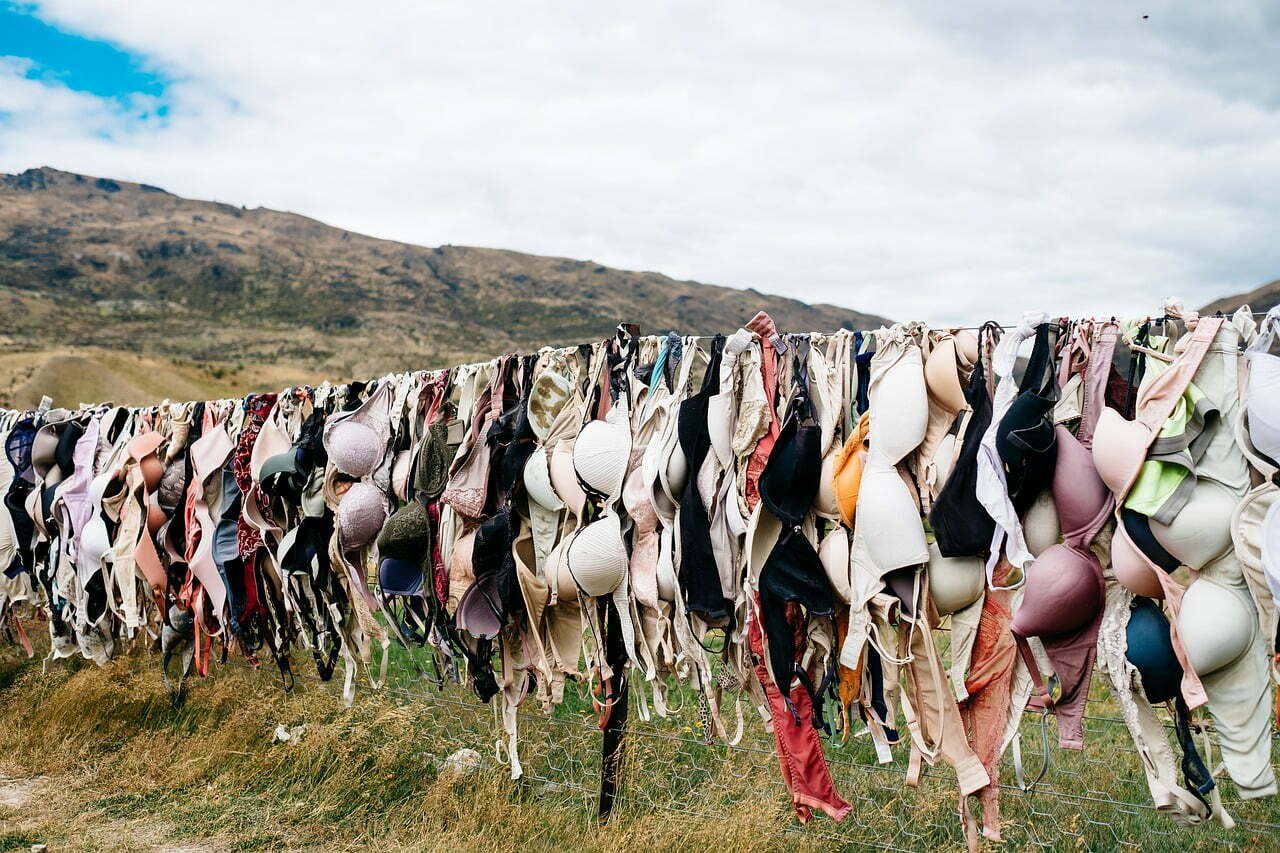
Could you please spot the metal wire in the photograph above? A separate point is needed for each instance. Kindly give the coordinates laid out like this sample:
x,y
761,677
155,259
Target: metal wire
x,y
1095,798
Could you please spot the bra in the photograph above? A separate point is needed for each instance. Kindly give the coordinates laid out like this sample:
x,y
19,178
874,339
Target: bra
x,y
357,441
899,417
601,453
1025,437
793,571
847,470
1120,448
961,525
954,582
948,364
1264,389
1216,626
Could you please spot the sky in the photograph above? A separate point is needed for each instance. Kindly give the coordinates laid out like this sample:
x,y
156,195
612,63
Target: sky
x,y
949,162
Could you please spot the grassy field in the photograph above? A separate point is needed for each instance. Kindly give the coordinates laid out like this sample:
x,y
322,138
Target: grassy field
x,y
84,375
98,759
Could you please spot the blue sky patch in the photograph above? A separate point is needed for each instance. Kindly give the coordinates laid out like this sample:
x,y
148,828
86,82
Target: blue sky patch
x,y
80,63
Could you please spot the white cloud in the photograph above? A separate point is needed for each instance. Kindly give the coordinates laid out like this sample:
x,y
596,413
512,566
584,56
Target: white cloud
x,y
945,161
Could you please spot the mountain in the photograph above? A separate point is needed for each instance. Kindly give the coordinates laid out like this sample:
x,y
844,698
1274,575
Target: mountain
x,y
97,266
1262,298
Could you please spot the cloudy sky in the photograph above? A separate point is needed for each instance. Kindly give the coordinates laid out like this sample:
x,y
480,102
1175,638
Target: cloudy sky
x,y
947,161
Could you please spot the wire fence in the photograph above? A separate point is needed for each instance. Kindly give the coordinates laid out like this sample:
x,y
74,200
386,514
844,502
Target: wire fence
x,y
1095,798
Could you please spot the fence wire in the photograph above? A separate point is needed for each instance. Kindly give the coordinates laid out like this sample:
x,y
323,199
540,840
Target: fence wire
x,y
1093,799
1096,798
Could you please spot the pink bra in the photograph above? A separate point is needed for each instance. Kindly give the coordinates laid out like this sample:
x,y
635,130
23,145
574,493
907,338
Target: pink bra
x,y
1064,594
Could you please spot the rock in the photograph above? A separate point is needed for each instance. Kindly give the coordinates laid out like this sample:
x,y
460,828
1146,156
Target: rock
x,y
462,763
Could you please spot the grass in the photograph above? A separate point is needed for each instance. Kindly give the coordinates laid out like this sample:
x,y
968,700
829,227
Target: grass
x,y
111,765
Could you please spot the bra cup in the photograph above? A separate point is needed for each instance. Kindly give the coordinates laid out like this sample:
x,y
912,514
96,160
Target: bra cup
x,y
1215,625
155,517
1149,647
600,454
900,410
824,501
461,574
1264,404
152,471
401,471
1119,448
966,342
94,543
666,572
1079,494
558,574
1040,525
361,514
550,393
885,506
1131,568
676,473
834,555
847,475
563,478
1062,595
944,459
942,378
597,556
537,481
1201,532
354,448
954,582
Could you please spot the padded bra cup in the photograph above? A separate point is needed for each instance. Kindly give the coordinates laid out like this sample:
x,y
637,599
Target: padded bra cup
x,y
354,448
886,507
824,501
1062,595
1150,649
944,458
1215,625
1119,449
1201,532
152,471
900,413
1079,495
954,582
1040,525
361,515
563,477
598,556
1264,404
537,481
601,452
94,542
942,377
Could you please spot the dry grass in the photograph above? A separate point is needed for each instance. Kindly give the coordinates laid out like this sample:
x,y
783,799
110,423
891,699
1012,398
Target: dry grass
x,y
75,375
110,765
98,759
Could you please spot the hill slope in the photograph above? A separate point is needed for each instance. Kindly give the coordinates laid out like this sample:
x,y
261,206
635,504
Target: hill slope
x,y
93,262
1262,298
